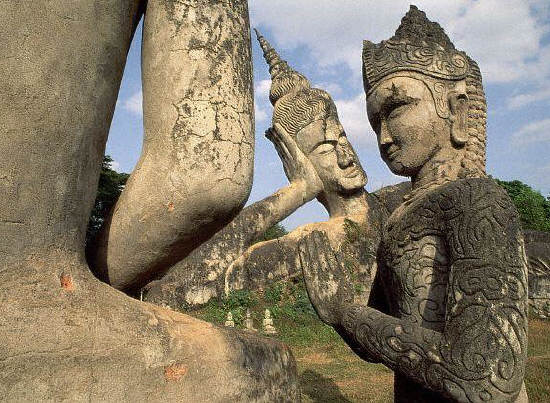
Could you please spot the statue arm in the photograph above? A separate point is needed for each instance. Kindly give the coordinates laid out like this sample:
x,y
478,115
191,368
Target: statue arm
x,y
481,354
195,171
252,222
211,259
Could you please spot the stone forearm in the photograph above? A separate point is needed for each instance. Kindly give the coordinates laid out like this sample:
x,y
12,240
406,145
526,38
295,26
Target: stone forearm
x,y
201,275
195,171
422,354
251,223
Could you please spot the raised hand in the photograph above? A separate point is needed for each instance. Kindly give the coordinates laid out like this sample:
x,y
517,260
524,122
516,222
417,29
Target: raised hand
x,y
297,166
328,283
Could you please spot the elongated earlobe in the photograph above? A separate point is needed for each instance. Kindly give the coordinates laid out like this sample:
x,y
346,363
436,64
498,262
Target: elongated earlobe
x,y
458,105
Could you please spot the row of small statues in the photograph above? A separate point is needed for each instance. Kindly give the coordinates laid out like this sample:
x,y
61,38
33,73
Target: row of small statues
x,y
267,322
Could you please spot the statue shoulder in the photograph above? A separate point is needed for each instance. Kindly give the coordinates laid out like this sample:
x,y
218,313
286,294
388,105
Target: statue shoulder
x,y
390,197
481,220
471,194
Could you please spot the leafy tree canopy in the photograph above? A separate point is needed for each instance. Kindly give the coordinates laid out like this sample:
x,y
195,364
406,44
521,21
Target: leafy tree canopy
x,y
274,232
109,188
533,207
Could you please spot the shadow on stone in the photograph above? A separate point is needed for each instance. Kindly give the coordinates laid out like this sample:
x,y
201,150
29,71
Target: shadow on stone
x,y
320,388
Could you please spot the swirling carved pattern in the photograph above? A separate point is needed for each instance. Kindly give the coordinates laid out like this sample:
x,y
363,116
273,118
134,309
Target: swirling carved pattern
x,y
393,56
301,108
477,351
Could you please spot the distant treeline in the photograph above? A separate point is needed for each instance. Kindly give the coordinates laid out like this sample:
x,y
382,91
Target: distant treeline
x,y
533,207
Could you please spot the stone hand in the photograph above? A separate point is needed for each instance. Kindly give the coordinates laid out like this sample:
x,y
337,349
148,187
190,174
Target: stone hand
x,y
296,165
328,283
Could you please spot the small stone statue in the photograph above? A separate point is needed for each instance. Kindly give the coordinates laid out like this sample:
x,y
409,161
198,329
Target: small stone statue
x,y
229,322
249,322
268,323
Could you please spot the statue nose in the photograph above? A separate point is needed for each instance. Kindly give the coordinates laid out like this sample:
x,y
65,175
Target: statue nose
x,y
344,155
385,135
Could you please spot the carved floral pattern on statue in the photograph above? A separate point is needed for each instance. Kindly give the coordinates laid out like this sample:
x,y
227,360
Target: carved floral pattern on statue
x,y
478,352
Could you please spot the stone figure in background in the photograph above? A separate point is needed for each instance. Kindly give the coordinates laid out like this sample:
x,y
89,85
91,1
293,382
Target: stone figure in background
x,y
267,323
65,335
249,322
452,320
537,247
319,162
229,322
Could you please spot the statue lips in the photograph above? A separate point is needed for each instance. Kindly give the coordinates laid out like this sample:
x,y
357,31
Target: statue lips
x,y
352,172
391,152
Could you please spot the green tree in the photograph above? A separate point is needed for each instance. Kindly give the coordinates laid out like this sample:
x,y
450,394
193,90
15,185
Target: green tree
x,y
109,188
272,233
533,207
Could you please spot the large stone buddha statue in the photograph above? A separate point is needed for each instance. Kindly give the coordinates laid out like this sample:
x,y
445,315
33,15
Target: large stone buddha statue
x,y
65,335
448,311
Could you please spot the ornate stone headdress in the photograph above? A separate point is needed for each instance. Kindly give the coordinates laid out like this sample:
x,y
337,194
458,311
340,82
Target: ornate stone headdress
x,y
296,104
421,46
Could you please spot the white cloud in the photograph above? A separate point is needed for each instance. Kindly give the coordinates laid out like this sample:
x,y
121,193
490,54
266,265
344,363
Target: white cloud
x,y
134,104
521,100
261,100
261,89
504,36
533,133
353,116
332,88
259,113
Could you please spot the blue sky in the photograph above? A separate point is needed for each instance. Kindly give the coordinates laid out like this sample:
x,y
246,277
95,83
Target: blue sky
x,y
510,39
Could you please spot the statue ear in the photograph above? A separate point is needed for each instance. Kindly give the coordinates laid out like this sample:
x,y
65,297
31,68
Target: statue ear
x,y
458,106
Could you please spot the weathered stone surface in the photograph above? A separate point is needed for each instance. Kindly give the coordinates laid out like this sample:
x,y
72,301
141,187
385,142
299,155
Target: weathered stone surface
x,y
448,308
537,248
92,343
201,275
195,170
66,336
317,163
392,196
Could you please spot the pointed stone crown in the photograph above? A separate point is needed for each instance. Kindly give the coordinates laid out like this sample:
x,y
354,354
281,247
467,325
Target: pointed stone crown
x,y
284,79
418,45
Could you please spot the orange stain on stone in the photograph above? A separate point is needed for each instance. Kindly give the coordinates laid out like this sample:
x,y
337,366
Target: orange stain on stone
x,y
175,372
170,206
67,282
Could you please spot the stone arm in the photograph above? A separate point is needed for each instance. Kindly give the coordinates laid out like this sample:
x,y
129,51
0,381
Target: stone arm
x,y
200,275
195,171
480,356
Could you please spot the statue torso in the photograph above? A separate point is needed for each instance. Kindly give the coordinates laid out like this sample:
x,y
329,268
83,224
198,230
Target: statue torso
x,y
414,262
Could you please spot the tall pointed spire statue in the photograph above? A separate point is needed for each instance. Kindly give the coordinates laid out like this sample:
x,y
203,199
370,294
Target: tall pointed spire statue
x,y
296,104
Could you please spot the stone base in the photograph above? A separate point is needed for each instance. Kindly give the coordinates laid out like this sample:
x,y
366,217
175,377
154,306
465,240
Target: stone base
x,y
68,337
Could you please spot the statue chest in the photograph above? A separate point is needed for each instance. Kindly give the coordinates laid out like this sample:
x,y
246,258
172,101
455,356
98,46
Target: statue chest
x,y
414,265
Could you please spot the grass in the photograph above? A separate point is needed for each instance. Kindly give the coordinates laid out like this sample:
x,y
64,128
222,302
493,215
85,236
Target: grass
x,y
537,378
329,371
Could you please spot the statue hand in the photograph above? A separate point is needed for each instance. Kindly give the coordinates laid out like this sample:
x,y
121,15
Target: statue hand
x,y
328,283
297,166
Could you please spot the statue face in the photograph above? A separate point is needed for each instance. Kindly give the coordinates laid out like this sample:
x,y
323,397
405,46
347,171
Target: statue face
x,y
402,113
325,143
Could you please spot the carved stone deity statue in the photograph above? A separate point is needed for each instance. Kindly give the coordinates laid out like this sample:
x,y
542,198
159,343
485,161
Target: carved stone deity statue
x,y
65,335
448,309
319,162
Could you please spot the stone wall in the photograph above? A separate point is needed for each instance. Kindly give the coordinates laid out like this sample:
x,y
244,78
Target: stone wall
x,y
537,247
